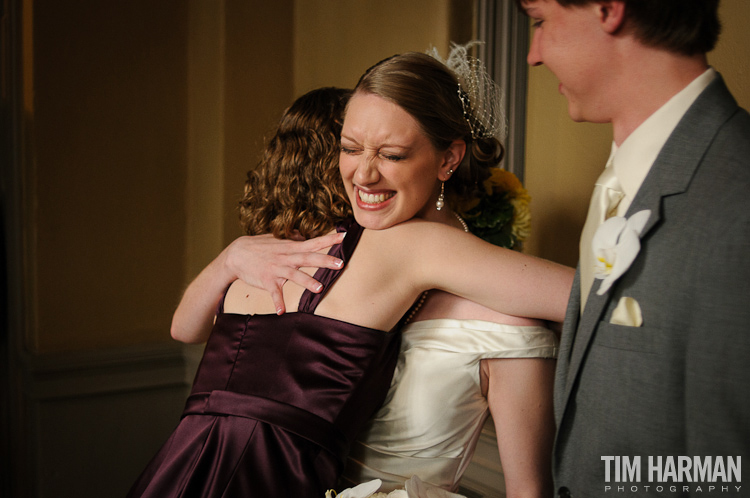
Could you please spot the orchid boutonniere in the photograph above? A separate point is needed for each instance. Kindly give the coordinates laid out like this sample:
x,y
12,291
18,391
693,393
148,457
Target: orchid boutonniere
x,y
616,243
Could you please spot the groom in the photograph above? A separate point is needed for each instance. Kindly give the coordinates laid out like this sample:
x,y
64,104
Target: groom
x,y
654,365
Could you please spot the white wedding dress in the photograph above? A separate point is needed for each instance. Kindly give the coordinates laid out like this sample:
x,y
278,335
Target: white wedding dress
x,y
434,411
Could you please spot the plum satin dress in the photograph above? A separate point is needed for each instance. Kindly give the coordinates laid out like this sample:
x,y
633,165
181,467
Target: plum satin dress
x,y
276,402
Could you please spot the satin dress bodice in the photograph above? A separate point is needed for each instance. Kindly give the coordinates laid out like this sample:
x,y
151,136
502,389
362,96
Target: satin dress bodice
x,y
435,410
276,402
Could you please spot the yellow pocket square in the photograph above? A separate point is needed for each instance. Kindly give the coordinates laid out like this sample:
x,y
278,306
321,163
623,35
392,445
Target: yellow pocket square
x,y
628,313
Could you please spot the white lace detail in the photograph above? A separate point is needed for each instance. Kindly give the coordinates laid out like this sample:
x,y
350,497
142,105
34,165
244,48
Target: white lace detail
x,y
481,98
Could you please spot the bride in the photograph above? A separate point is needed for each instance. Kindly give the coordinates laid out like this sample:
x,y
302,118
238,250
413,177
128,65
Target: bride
x,y
457,358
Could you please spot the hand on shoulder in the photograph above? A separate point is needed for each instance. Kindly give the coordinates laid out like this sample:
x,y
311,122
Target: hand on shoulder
x,y
265,262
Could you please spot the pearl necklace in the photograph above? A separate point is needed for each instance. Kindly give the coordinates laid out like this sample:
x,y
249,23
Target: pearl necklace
x,y
463,223
419,304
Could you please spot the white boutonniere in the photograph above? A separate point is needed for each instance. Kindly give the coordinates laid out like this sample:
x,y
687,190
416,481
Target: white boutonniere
x,y
616,244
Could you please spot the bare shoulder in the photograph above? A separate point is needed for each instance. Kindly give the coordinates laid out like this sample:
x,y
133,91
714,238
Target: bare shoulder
x,y
416,233
244,299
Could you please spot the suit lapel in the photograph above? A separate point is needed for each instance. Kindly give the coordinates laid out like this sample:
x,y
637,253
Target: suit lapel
x,y
670,175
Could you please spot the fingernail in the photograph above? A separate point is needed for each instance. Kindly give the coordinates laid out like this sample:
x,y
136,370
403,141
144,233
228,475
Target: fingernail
x,y
339,263
318,287
279,311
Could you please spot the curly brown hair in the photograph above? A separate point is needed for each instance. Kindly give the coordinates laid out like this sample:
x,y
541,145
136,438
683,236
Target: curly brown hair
x,y
297,186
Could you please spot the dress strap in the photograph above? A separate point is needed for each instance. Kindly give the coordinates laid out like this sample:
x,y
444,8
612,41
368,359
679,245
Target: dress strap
x,y
309,300
220,307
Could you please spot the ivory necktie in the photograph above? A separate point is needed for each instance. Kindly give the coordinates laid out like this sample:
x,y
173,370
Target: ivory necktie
x,y
607,195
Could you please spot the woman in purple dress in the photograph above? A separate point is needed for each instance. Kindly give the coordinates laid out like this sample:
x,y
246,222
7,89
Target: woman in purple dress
x,y
277,400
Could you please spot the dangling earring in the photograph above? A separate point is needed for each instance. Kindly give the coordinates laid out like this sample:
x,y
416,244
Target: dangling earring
x,y
441,198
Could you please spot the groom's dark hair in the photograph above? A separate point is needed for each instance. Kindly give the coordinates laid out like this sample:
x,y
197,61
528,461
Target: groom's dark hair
x,y
687,27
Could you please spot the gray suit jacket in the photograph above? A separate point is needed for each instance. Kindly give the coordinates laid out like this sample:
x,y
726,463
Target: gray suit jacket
x,y
678,385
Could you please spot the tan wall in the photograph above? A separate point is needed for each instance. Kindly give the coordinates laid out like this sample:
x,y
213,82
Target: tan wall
x,y
563,158
143,118
336,41
105,172
732,55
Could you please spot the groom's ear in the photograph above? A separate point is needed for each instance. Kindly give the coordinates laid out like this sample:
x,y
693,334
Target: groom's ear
x,y
611,14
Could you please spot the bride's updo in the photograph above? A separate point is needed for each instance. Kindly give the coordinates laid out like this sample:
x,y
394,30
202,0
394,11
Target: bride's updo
x,y
430,92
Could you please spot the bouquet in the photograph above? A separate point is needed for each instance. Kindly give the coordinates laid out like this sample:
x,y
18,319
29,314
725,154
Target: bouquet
x,y
501,214
413,488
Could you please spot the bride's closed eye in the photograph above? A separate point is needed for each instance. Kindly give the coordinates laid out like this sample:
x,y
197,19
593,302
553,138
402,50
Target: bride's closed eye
x,y
392,157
